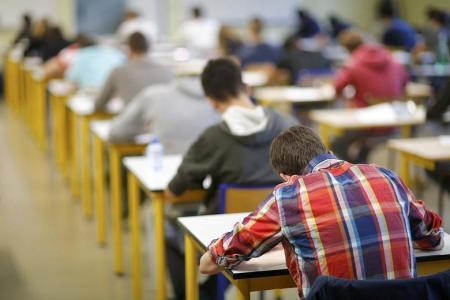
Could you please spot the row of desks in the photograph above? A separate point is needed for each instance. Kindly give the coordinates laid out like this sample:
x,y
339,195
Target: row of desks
x,y
73,132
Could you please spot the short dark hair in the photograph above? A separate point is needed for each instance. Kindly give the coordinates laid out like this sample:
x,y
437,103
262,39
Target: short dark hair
x,y
138,43
387,9
437,15
222,79
256,25
197,12
294,148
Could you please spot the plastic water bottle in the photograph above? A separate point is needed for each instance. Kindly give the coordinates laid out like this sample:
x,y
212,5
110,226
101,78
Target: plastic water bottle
x,y
155,154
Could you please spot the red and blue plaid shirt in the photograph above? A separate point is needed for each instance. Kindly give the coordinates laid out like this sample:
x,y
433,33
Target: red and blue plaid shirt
x,y
349,221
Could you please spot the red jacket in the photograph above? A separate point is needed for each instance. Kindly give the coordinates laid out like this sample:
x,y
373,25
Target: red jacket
x,y
373,73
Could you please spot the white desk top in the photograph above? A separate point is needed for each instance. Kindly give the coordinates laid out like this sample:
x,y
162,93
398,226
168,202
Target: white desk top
x,y
432,148
101,129
83,104
207,228
382,115
418,90
295,94
255,78
153,180
61,87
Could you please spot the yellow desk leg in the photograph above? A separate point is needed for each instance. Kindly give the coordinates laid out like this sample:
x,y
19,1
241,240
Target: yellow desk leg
x,y
243,289
86,195
75,174
160,244
325,135
406,131
404,169
191,269
114,163
133,204
100,190
63,135
55,128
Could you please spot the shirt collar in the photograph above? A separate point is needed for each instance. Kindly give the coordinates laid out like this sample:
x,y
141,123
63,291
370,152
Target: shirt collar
x,y
321,161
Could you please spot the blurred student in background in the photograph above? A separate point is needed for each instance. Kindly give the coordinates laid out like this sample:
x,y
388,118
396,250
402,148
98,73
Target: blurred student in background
x,y
36,41
256,50
127,80
25,31
374,75
397,33
132,23
91,65
372,71
294,59
199,33
229,41
337,25
57,65
308,27
53,42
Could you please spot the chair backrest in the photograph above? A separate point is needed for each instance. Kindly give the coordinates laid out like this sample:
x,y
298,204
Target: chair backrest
x,y
435,287
236,198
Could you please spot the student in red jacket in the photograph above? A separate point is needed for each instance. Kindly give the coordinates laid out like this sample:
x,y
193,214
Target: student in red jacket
x,y
374,75
371,70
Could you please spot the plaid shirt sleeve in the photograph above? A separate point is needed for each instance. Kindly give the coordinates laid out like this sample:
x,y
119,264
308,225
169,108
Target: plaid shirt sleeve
x,y
425,224
259,232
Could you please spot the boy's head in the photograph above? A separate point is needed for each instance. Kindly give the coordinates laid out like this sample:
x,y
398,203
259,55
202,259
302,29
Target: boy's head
x,y
293,149
137,44
196,12
222,80
351,39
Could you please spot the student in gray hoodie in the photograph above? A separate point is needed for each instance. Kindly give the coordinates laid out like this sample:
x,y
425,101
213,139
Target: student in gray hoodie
x,y
175,112
235,150
127,80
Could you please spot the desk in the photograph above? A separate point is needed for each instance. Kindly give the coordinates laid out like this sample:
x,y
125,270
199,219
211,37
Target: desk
x,y
100,131
153,183
268,271
82,109
294,94
383,115
39,89
424,152
13,80
418,91
60,91
430,71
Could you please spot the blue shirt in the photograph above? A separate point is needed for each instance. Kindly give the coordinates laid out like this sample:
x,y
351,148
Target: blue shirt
x,y
400,34
261,53
92,65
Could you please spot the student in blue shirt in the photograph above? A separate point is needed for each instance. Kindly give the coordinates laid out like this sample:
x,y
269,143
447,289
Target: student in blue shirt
x,y
308,27
257,51
397,33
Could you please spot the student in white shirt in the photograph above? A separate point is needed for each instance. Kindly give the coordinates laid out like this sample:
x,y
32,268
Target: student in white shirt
x,y
199,33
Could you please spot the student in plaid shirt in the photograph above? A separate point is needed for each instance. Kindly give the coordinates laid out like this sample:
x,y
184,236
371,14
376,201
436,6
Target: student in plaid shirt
x,y
332,217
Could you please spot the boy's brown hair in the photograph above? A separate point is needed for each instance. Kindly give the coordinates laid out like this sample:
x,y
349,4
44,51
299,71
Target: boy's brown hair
x,y
294,148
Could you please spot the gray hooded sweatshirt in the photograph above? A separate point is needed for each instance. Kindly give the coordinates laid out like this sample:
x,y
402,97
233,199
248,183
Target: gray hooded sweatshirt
x,y
176,113
230,158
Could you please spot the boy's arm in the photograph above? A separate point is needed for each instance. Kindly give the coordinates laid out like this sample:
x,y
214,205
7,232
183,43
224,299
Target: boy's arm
x,y
258,233
343,78
425,225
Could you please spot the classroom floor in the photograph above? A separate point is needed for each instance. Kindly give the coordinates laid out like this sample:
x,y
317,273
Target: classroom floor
x,y
47,249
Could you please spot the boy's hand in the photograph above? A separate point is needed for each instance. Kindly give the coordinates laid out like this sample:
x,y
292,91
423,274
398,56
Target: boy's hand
x,y
207,265
168,194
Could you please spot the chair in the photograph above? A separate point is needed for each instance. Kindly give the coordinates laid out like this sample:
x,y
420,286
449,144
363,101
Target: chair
x,y
235,198
432,287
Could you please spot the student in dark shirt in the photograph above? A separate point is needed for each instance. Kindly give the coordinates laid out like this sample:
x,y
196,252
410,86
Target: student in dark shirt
x,y
257,51
235,150
53,42
294,59
25,29
308,27
36,41
397,33
337,25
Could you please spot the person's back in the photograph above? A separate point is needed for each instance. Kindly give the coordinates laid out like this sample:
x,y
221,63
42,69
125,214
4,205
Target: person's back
x,y
399,34
332,217
177,113
92,65
374,74
127,80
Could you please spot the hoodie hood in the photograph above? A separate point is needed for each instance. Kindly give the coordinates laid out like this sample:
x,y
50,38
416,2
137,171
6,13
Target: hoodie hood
x,y
253,127
372,56
190,86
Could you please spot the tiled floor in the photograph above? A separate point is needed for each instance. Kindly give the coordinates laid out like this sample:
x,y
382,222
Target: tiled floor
x,y
48,251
